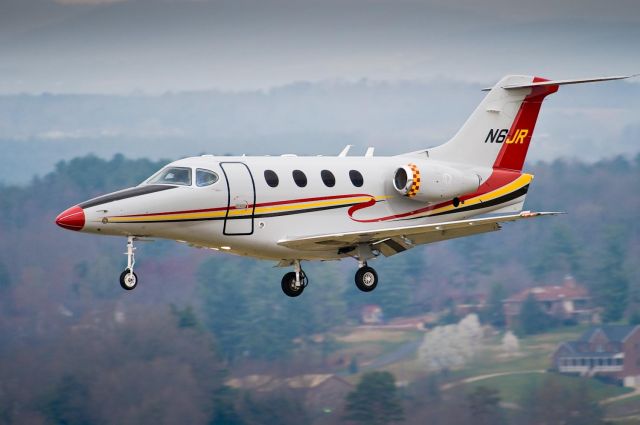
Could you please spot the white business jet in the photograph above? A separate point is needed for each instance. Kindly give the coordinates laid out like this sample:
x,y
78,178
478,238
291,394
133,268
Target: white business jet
x,y
292,209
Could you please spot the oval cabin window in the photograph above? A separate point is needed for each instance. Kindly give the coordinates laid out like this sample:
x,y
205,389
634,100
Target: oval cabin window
x,y
356,178
271,178
299,178
328,178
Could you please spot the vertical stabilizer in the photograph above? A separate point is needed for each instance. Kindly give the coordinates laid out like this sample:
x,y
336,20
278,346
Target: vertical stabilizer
x,y
498,132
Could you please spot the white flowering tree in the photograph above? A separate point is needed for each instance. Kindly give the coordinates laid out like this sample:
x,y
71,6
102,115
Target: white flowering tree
x,y
510,344
451,346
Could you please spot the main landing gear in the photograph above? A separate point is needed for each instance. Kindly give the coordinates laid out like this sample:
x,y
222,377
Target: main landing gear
x,y
293,283
128,279
366,278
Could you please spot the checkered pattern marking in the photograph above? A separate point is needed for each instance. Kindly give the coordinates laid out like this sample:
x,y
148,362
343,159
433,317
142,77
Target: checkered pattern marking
x,y
415,186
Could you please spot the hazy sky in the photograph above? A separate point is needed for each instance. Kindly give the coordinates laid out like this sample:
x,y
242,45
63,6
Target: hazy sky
x,y
154,46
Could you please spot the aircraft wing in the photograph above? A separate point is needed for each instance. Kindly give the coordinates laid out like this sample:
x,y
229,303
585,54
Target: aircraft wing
x,y
393,240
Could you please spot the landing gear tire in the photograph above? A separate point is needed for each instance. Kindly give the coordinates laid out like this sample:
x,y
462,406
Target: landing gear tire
x,y
128,280
290,287
366,279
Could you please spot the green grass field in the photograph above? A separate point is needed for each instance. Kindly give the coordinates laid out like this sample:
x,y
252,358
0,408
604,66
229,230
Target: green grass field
x,y
513,388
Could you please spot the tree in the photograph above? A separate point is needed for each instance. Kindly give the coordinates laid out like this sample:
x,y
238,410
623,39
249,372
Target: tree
x,y
67,404
451,346
532,319
556,253
282,407
484,406
5,277
185,317
375,400
612,290
494,311
510,344
556,401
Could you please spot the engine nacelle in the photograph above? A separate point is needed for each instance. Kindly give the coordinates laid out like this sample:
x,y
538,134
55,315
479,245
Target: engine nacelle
x,y
433,182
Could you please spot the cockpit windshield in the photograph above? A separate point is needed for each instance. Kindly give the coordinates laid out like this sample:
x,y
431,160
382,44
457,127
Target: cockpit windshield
x,y
172,175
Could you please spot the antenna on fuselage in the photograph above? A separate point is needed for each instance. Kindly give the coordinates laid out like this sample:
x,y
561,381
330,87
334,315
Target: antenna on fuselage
x,y
345,151
369,152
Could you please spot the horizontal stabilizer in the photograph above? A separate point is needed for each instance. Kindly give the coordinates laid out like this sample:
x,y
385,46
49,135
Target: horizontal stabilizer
x,y
563,82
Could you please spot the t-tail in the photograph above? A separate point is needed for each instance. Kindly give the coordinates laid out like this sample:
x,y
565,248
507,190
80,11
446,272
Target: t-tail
x,y
499,131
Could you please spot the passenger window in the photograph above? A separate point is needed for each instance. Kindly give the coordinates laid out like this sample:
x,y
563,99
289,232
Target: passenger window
x,y
299,178
356,178
328,178
173,175
271,178
205,177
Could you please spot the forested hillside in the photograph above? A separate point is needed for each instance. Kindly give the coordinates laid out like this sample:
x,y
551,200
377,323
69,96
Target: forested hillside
x,y
205,313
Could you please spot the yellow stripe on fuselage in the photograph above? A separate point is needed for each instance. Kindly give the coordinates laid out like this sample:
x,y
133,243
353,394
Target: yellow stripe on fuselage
x,y
518,183
301,206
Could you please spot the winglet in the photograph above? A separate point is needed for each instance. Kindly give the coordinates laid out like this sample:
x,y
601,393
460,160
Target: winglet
x,y
527,214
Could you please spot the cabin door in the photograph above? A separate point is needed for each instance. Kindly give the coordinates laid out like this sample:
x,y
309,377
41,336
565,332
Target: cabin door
x,y
241,192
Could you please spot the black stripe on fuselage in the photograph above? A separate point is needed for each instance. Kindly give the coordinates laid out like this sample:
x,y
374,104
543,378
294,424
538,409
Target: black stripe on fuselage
x,y
124,194
493,202
245,217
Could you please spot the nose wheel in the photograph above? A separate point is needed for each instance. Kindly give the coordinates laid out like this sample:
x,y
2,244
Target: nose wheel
x,y
366,278
128,279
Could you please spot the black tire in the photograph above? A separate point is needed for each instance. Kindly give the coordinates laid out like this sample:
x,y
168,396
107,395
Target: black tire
x,y
366,279
128,280
289,284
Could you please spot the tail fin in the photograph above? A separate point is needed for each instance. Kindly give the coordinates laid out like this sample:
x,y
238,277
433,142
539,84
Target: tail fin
x,y
498,132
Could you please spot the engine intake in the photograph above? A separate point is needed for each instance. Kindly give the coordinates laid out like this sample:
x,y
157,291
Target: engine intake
x,y
433,182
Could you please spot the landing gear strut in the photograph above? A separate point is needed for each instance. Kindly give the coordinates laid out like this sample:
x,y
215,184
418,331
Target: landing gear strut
x,y
366,278
128,279
293,283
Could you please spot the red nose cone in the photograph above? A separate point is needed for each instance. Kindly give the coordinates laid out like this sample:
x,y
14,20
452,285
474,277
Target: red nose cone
x,y
72,219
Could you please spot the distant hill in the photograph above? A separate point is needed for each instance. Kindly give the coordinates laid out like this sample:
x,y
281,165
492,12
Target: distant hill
x,y
588,122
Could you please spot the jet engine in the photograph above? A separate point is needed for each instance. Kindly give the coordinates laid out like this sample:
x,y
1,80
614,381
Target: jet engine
x,y
433,182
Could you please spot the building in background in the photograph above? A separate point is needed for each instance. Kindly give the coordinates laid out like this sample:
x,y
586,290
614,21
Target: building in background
x,y
371,314
611,351
567,302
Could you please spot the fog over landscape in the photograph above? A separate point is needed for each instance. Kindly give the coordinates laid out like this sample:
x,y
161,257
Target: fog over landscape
x,y
97,95
586,123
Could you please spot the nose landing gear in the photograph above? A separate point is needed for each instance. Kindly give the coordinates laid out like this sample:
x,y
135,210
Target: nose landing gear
x,y
128,279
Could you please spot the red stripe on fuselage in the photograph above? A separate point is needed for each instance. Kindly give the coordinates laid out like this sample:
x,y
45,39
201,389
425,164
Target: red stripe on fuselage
x,y
264,204
497,179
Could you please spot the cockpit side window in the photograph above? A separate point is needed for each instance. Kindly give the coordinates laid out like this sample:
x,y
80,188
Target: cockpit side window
x,y
172,175
205,177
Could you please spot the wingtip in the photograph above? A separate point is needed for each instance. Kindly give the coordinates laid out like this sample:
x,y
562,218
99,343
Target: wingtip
x,y
537,214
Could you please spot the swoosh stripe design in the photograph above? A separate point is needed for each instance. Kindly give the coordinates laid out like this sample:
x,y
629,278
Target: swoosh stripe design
x,y
268,209
483,198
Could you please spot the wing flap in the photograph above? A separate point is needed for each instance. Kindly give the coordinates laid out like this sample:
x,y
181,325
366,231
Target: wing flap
x,y
397,239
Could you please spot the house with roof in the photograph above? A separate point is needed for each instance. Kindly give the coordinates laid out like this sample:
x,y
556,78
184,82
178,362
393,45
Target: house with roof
x,y
611,351
371,314
569,301
322,394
